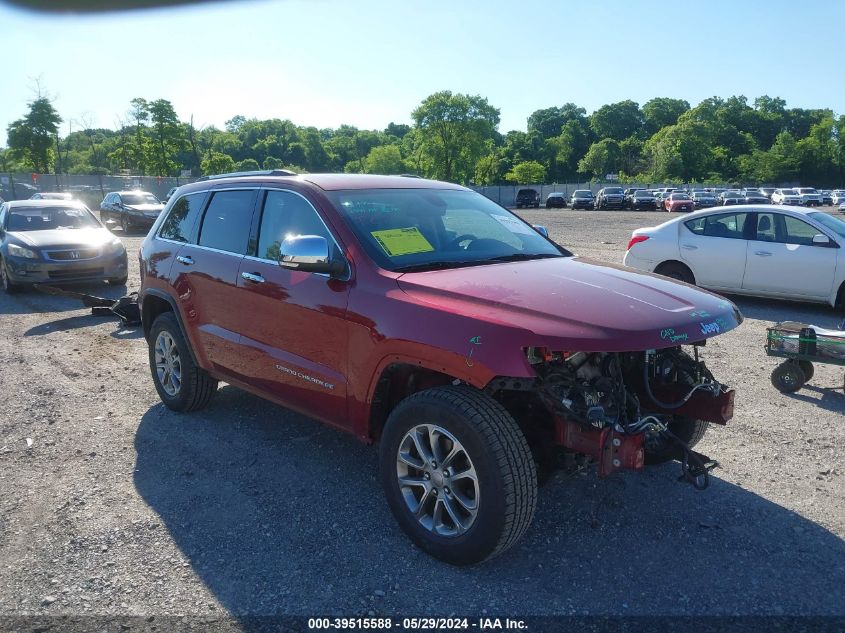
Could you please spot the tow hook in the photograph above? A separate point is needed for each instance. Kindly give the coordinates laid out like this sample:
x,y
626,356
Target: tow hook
x,y
695,467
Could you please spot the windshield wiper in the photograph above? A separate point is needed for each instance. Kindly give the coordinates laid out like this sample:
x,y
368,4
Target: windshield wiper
x,y
521,257
438,266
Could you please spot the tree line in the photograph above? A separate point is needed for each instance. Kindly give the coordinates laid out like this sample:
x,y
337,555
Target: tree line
x,y
455,137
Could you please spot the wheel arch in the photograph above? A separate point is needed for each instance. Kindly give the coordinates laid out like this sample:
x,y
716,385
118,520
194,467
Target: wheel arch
x,y
839,298
155,303
396,381
673,262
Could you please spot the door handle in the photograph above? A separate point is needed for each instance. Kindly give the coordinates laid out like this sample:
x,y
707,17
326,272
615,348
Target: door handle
x,y
185,259
763,253
689,247
253,277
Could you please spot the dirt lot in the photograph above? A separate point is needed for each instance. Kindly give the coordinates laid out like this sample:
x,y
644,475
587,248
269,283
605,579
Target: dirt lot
x,y
111,504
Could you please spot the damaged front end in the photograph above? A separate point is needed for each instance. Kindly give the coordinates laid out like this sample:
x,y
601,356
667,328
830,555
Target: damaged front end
x,y
624,410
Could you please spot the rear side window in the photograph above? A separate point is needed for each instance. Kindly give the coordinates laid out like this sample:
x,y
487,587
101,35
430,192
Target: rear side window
x,y
227,221
181,223
730,225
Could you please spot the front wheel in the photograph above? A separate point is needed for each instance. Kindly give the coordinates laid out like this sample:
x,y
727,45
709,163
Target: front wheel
x,y
9,287
788,377
125,224
458,474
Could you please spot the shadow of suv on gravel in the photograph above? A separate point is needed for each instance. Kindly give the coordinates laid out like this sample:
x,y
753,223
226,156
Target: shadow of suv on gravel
x,y
427,318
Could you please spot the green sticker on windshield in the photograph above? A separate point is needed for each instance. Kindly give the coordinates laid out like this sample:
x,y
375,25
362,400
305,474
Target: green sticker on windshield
x,y
397,242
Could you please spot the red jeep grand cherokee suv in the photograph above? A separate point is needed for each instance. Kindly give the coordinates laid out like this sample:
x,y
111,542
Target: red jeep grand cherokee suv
x,y
422,315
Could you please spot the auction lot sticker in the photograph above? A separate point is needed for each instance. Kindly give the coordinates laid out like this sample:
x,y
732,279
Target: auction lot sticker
x,y
397,242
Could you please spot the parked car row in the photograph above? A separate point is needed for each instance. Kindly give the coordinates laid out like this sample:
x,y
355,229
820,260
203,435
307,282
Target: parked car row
x,y
636,198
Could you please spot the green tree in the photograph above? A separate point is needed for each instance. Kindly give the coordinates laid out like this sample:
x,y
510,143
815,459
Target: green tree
x,y
527,172
570,147
247,164
167,136
217,163
271,162
488,169
603,157
139,113
31,138
452,130
384,159
661,112
617,120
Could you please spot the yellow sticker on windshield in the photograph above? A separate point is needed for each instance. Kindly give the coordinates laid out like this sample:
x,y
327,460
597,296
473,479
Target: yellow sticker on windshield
x,y
397,242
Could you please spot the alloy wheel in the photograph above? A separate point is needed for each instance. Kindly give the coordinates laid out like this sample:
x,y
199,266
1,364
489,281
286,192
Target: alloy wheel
x,y
168,364
437,480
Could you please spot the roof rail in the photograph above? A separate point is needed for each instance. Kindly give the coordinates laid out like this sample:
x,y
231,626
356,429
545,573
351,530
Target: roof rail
x,y
410,176
266,172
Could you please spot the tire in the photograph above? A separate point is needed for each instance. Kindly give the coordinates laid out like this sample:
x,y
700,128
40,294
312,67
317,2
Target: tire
x,y
125,224
676,271
503,491
536,205
118,281
196,387
808,369
788,377
688,430
9,287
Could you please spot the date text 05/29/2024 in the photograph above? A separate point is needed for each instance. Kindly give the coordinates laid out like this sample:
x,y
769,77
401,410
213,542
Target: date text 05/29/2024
x,y
418,624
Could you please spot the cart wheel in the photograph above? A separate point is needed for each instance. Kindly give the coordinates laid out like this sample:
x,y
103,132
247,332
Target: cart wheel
x,y
808,369
788,377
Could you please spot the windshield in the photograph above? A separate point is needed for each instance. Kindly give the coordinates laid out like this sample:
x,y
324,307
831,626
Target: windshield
x,y
583,193
613,190
48,218
679,196
642,194
425,229
807,190
834,224
139,198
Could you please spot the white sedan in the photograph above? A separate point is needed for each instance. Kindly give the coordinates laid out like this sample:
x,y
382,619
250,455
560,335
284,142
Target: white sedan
x,y
787,252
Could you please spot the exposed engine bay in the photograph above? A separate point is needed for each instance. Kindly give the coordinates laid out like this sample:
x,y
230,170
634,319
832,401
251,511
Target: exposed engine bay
x,y
619,407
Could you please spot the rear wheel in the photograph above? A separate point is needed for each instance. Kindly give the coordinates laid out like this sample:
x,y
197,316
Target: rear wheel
x,y
458,474
181,384
677,271
808,369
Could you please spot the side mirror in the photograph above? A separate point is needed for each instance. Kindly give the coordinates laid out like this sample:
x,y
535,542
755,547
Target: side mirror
x,y
308,253
821,240
542,230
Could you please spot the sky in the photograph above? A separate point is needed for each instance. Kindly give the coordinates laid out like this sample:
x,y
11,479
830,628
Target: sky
x,y
371,62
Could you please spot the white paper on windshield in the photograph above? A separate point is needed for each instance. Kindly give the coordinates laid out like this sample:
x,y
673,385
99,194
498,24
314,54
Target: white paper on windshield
x,y
513,225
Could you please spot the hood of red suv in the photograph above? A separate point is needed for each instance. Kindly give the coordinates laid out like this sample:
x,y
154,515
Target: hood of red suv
x,y
575,304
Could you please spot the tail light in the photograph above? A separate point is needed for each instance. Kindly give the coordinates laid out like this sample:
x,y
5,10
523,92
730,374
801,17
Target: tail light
x,y
636,239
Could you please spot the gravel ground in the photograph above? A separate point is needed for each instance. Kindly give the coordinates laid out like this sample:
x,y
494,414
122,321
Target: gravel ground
x,y
112,505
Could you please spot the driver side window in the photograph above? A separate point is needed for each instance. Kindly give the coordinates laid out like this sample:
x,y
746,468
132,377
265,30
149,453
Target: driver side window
x,y
287,214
